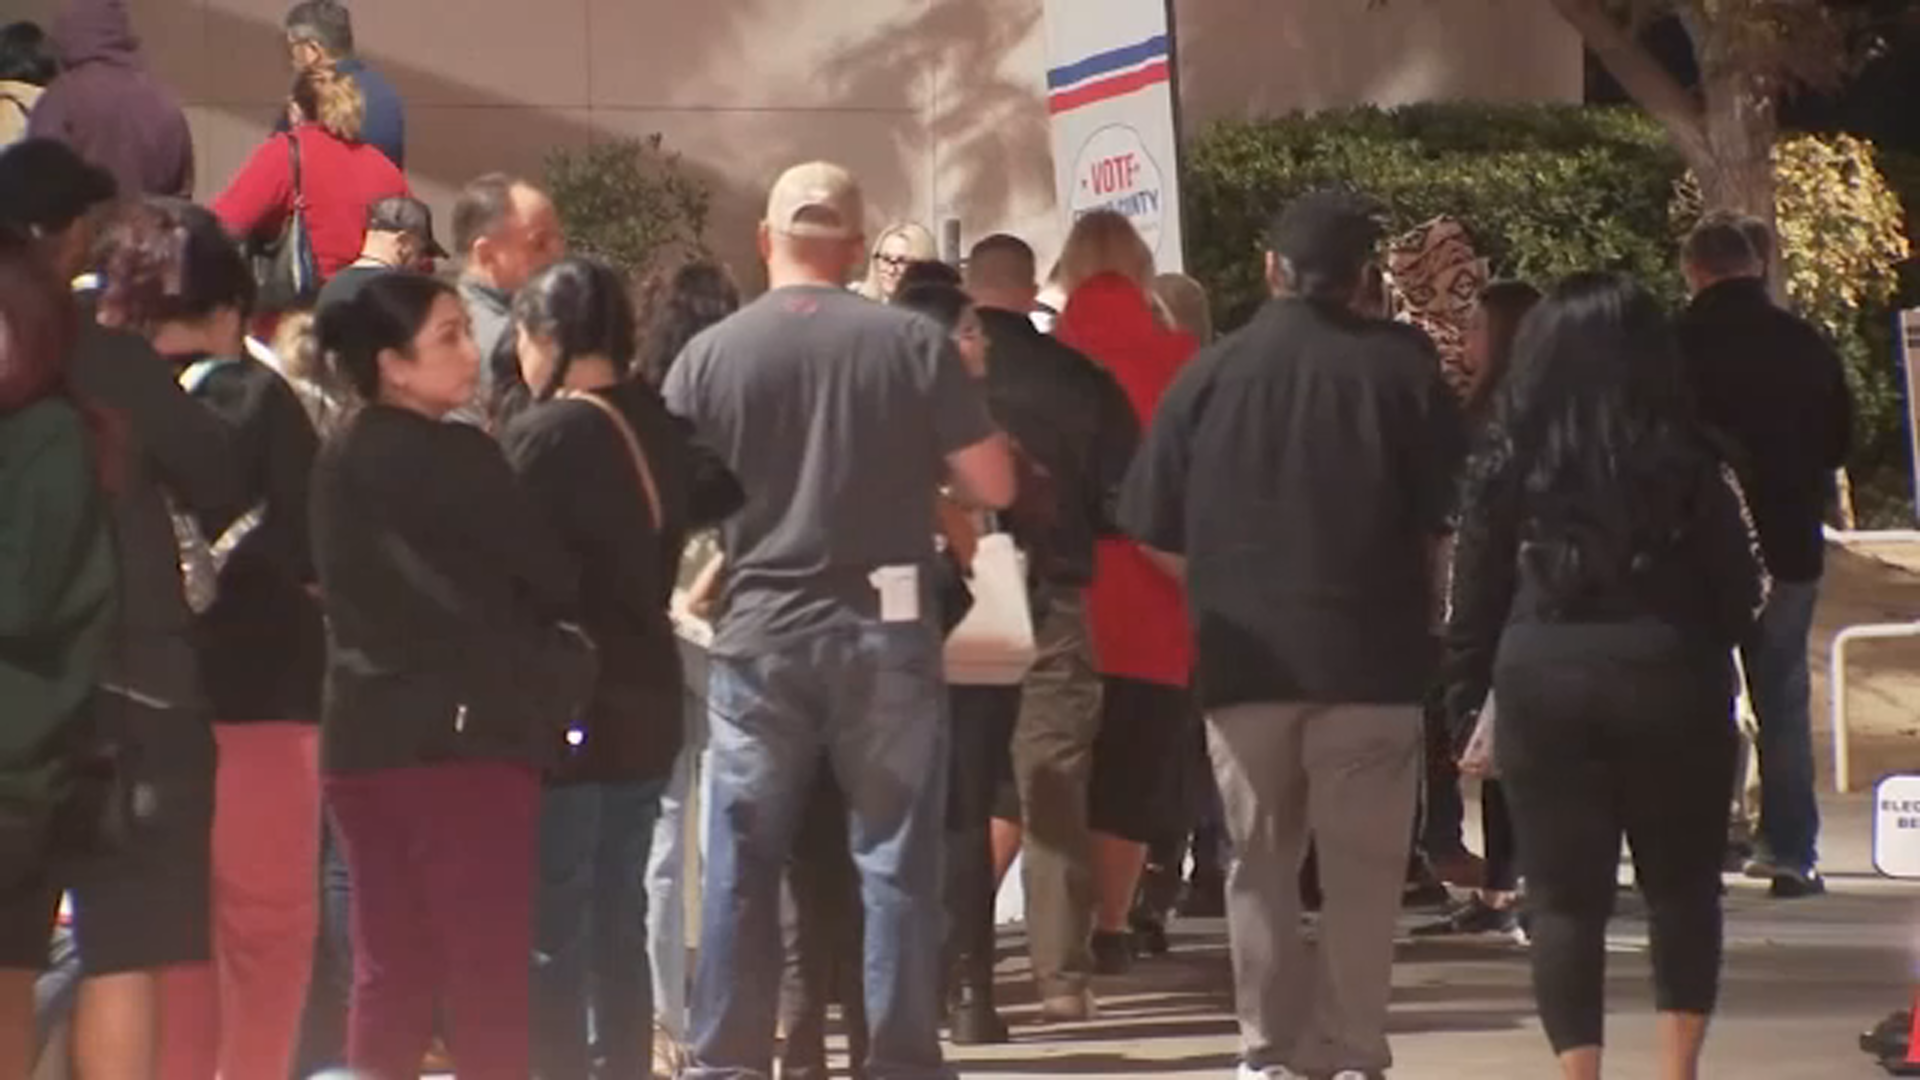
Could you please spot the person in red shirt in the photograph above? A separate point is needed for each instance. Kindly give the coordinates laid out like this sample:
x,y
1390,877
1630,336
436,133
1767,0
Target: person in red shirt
x,y
1141,639
340,176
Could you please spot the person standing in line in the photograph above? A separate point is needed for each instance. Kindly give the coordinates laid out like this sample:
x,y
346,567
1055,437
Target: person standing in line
x,y
674,306
27,67
900,245
1141,638
576,336
1073,422
1769,382
260,646
340,176
841,418
448,687
57,581
110,108
1300,474
505,230
320,35
399,236
1606,565
144,908
1197,828
1490,335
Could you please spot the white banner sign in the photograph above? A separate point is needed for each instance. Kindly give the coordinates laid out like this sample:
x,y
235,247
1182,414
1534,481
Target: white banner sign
x,y
1896,827
1110,92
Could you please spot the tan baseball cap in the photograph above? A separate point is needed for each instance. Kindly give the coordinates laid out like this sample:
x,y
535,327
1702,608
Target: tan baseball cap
x,y
818,199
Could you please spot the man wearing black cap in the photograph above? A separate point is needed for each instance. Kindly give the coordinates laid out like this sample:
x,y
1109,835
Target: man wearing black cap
x,y
1300,472
399,237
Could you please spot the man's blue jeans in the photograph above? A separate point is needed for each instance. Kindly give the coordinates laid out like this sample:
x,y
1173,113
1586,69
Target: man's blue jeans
x,y
1775,655
590,941
873,700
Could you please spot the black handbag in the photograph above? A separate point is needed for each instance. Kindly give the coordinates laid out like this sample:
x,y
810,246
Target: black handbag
x,y
286,271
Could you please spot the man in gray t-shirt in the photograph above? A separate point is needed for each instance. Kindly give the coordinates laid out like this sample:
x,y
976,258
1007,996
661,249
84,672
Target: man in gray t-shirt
x,y
841,419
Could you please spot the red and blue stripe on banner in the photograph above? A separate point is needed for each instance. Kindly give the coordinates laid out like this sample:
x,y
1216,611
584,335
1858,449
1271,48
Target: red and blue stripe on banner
x,y
1107,75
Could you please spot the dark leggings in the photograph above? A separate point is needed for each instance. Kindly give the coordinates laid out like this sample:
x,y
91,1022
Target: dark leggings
x,y
1605,734
824,925
1496,821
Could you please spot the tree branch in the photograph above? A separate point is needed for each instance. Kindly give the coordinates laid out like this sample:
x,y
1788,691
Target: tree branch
x,y
1641,74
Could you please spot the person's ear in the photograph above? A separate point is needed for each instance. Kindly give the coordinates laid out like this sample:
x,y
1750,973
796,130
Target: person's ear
x,y
764,239
395,368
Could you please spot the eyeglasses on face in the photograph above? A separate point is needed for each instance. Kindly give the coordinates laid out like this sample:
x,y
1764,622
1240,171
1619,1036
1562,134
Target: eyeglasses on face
x,y
893,262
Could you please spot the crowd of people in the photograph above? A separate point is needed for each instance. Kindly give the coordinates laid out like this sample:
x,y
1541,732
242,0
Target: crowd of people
x,y
373,642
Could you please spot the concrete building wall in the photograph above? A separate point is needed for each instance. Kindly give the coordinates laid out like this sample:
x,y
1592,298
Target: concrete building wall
x,y
937,104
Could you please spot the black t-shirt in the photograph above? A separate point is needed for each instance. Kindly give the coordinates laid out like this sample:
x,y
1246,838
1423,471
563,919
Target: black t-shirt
x,y
836,414
1304,466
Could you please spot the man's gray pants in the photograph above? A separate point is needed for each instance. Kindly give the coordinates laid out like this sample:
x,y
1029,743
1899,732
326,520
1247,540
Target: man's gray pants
x,y
1347,775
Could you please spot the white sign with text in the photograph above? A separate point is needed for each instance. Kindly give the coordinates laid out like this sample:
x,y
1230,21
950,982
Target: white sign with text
x,y
1896,827
1110,87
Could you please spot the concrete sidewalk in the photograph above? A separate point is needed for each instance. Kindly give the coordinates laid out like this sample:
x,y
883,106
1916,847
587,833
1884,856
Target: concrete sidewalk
x,y
1801,981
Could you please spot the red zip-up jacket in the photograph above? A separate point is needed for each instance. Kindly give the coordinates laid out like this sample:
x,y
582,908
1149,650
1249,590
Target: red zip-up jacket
x,y
340,180
1138,612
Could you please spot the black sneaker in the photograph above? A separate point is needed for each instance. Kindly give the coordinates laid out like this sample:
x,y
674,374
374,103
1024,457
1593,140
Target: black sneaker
x,y
1112,952
1888,1039
1149,934
1797,884
1473,917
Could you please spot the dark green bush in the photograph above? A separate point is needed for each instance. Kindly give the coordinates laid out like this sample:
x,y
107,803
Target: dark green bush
x,y
1545,189
627,201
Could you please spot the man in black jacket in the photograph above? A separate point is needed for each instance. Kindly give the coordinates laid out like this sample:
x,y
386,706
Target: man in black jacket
x,y
1775,388
1073,422
1301,473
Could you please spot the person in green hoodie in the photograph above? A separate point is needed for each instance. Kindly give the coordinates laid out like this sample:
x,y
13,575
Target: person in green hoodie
x,y
57,592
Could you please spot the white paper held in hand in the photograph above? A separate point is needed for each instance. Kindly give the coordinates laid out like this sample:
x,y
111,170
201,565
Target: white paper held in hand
x,y
899,589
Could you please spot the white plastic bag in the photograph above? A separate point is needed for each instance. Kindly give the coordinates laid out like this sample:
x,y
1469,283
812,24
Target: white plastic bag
x,y
994,645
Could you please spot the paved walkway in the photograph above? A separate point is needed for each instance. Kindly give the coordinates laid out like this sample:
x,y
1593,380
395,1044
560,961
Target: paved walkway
x,y
1802,979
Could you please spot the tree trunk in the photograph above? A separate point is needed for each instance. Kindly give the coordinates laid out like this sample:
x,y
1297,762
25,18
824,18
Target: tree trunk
x,y
1741,124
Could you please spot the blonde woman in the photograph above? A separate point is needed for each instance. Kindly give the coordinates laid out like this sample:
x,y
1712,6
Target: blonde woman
x,y
338,176
899,246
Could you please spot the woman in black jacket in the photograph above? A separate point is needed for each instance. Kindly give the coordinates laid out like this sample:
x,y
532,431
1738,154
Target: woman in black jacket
x,y
621,483
1606,566
449,686
260,646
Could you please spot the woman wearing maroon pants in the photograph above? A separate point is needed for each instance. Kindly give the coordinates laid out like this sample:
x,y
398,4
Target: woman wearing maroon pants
x,y
441,586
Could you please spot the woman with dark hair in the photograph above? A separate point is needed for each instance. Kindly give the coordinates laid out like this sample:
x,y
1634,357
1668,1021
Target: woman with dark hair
x,y
339,176
673,306
1494,906
27,67
260,646
621,484
1491,332
1605,568
449,686
57,588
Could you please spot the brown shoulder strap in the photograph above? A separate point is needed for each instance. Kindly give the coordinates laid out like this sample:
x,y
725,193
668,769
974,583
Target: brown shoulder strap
x,y
648,488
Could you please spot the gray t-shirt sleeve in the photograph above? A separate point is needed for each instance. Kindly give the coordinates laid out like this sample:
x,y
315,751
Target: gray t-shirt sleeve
x,y
959,401
678,388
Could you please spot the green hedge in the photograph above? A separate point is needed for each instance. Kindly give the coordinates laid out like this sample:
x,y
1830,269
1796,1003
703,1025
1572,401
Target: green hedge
x,y
1545,189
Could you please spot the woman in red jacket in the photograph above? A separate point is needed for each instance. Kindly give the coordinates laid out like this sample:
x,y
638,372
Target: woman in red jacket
x,y
1140,635
340,176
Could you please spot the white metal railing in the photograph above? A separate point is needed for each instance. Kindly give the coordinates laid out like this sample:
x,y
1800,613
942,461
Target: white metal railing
x,y
1837,669
1842,760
